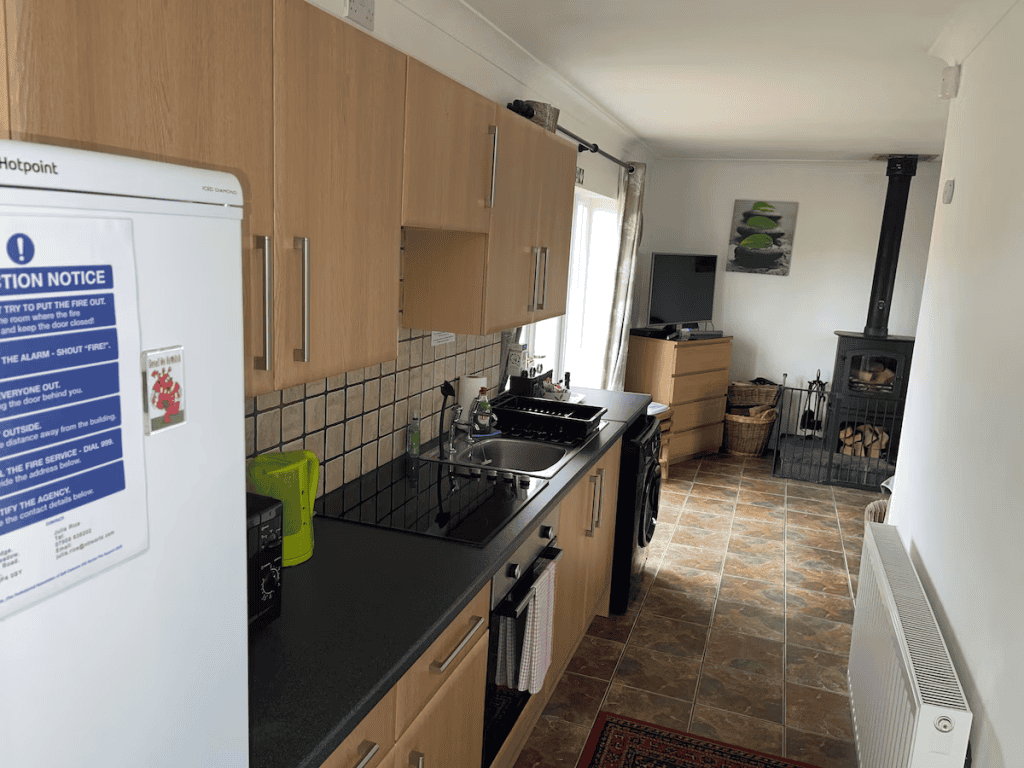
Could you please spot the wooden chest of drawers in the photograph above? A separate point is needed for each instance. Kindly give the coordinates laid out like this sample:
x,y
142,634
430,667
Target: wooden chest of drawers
x,y
690,376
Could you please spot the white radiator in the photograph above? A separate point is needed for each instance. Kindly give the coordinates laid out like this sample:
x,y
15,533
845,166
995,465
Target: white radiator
x,y
909,709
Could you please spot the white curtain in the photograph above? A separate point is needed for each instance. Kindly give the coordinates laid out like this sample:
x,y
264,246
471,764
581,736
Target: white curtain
x,y
631,201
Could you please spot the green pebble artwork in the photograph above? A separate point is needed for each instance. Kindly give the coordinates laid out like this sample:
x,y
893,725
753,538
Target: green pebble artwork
x,y
762,206
756,241
760,222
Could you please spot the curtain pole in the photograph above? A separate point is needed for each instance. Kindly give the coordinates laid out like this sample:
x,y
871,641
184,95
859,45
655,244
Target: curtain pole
x,y
588,147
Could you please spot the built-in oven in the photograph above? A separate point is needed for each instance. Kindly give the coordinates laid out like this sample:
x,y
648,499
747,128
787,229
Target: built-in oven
x,y
514,595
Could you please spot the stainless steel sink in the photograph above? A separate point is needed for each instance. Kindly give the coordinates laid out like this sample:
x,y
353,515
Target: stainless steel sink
x,y
503,454
514,455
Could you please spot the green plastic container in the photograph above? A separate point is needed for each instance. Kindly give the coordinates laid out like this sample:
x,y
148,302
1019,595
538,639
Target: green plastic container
x,y
291,478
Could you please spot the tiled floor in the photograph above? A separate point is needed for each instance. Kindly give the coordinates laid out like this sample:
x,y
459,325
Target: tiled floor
x,y
743,629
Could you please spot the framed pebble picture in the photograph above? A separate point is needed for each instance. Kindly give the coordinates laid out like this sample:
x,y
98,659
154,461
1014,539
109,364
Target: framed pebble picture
x,y
761,237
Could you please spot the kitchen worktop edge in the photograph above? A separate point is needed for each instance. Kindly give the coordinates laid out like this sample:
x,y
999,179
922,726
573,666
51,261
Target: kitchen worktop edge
x,y
320,668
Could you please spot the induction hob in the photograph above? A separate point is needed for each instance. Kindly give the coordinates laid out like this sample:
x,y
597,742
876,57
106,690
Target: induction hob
x,y
438,500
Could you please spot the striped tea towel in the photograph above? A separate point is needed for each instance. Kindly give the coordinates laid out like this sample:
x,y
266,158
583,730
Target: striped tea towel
x,y
507,664
537,640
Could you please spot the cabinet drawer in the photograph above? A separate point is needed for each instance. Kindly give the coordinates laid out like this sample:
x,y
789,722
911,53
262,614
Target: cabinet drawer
x,y
377,728
697,359
426,676
699,386
698,414
693,441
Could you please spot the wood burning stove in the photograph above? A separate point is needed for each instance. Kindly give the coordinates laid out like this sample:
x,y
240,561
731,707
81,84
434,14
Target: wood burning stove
x,y
864,413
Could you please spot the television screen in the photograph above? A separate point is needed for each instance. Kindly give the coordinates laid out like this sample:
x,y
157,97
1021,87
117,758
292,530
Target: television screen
x,y
682,288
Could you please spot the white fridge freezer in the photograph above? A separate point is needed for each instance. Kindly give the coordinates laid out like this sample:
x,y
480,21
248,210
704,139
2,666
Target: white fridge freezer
x,y
123,614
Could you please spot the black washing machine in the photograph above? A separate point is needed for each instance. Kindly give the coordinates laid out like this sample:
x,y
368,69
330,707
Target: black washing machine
x,y
637,511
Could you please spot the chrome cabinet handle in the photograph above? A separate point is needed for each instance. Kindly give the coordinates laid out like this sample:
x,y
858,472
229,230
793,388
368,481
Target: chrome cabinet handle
x,y
302,355
536,279
593,508
417,759
544,295
493,131
439,667
265,244
374,749
600,504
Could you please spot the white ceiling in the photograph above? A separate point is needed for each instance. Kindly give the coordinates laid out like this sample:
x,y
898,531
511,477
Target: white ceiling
x,y
773,79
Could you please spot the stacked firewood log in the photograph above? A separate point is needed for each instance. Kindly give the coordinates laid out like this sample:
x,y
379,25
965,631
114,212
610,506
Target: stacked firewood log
x,y
863,440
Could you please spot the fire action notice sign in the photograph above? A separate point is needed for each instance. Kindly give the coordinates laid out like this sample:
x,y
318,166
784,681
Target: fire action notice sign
x,y
72,473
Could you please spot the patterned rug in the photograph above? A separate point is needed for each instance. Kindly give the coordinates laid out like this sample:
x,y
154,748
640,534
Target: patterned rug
x,y
621,742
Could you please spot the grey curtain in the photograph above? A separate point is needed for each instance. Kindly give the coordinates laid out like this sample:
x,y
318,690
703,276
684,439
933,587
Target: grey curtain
x,y
631,202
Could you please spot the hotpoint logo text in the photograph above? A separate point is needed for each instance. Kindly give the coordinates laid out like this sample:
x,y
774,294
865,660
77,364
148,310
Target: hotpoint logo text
x,y
17,164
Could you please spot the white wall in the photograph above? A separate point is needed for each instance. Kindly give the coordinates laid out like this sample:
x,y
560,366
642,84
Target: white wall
x,y
448,36
786,324
959,480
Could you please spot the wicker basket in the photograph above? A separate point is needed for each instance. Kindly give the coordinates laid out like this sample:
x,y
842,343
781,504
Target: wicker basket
x,y
747,435
742,393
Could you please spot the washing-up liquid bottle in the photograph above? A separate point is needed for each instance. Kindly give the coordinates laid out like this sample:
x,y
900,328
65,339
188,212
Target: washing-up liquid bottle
x,y
482,417
412,438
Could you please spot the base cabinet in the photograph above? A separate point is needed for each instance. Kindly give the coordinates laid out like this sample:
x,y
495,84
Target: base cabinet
x,y
449,732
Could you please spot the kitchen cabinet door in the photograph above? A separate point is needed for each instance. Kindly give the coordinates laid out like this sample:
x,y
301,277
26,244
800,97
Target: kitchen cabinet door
x,y
449,732
339,109
556,186
570,620
511,281
187,81
607,489
449,153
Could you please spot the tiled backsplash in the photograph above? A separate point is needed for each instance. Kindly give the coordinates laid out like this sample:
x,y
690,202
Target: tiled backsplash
x,y
357,421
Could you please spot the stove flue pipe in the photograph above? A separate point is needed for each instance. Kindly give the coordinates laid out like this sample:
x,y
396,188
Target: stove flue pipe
x,y
901,170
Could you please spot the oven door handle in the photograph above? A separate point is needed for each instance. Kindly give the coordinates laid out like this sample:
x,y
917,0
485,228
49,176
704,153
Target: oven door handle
x,y
552,554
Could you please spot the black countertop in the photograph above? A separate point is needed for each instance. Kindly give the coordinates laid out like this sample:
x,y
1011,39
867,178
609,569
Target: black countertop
x,y
358,614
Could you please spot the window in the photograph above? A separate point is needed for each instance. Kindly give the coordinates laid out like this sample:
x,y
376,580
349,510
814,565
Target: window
x,y
577,341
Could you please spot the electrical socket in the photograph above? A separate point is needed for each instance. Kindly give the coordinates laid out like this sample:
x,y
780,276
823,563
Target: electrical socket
x,y
361,12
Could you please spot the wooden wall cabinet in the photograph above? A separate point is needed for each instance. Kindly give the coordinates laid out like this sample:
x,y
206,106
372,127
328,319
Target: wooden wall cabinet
x,y
450,153
515,273
307,111
339,110
690,376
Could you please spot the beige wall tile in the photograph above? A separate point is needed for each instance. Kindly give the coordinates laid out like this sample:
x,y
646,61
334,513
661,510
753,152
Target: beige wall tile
x,y
427,350
371,395
354,377
335,444
294,445
398,448
269,400
268,429
335,475
353,465
250,406
404,352
353,401
370,422
336,382
369,457
386,420
371,372
401,414
317,387
402,385
384,448
293,394
291,421
353,433
415,380
388,367
387,389
316,413
314,442
335,406
415,353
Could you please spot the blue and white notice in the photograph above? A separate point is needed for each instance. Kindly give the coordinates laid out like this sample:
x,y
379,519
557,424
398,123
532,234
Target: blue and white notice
x,y
72,471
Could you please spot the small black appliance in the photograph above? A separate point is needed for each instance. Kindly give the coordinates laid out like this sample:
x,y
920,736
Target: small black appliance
x,y
637,511
264,539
